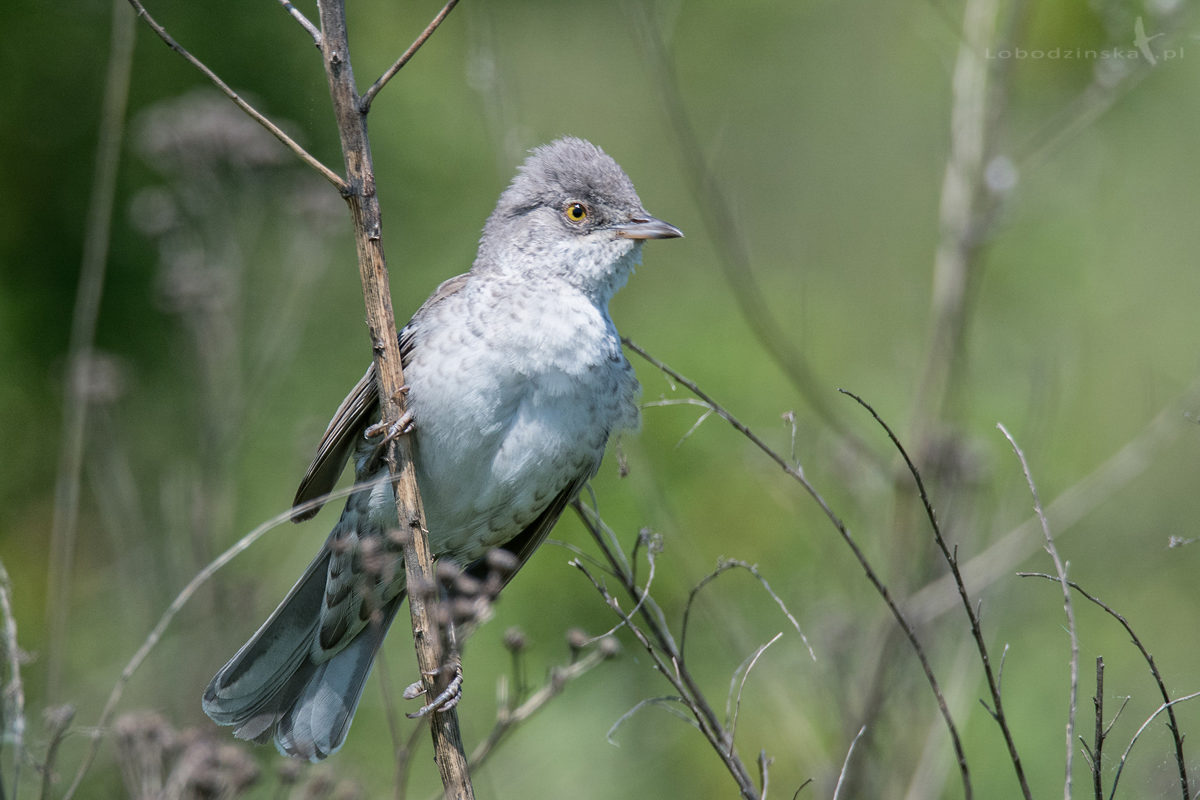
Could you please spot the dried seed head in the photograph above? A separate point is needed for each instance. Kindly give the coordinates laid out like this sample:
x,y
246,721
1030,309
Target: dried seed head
x,y
515,640
502,561
577,639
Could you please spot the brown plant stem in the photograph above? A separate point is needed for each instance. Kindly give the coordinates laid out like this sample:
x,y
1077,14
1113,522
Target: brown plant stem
x,y
363,201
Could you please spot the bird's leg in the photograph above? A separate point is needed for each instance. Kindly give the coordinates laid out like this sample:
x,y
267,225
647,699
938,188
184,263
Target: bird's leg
x,y
449,697
401,427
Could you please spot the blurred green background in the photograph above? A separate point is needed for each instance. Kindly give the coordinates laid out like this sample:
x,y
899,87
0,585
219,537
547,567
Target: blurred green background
x,y
812,139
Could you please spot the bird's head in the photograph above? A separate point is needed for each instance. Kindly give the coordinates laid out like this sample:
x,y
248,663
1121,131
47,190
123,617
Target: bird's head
x,y
571,212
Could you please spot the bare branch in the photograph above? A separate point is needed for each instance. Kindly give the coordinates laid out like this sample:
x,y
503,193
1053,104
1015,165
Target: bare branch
x,y
1158,679
369,96
664,702
1097,754
725,566
508,718
645,593
12,695
665,655
764,765
58,720
1119,469
92,270
1067,606
181,599
1124,756
431,646
796,474
740,686
997,708
328,174
298,15
846,763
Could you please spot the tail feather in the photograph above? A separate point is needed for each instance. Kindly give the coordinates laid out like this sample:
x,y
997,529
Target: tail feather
x,y
270,660
315,724
273,688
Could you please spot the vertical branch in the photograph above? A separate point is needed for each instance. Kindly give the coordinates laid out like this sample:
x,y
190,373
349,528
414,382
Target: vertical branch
x,y
381,322
1098,736
12,693
1068,607
83,330
964,212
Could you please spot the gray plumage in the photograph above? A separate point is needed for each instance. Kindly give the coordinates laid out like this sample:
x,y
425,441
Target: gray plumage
x,y
516,380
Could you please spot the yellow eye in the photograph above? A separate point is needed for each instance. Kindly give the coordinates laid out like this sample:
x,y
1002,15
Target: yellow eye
x,y
576,212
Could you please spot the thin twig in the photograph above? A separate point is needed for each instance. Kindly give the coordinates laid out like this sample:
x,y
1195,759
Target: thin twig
x,y
645,592
58,720
181,599
764,765
298,15
744,671
837,790
796,474
1125,755
1180,761
88,295
369,96
724,566
1098,736
666,656
308,158
1121,468
509,718
951,558
731,249
664,702
12,697
928,773
1061,569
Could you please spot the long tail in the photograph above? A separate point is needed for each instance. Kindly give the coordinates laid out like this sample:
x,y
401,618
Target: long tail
x,y
272,687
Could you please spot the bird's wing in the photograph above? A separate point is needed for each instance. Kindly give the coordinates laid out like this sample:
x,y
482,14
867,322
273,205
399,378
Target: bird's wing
x,y
524,543
355,413
348,422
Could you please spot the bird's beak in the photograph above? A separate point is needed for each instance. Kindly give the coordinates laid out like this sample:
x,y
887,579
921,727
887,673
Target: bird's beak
x,y
647,228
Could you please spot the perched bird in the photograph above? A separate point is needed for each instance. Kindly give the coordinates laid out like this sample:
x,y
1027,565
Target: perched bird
x,y
516,381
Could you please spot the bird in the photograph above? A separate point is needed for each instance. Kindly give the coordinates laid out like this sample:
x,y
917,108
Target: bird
x,y
515,382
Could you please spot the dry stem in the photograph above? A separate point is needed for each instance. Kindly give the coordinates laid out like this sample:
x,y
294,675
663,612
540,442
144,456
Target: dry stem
x,y
418,559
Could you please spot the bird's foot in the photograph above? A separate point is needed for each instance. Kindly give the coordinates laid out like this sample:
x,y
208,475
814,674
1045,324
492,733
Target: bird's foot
x,y
401,427
449,697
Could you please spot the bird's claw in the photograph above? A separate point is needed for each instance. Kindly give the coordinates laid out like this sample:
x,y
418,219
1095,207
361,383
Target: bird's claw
x,y
401,427
445,701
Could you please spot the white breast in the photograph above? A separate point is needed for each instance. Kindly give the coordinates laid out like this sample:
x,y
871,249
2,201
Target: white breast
x,y
514,392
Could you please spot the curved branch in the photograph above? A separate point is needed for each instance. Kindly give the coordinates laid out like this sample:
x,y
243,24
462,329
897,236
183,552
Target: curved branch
x,y
308,158
369,96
